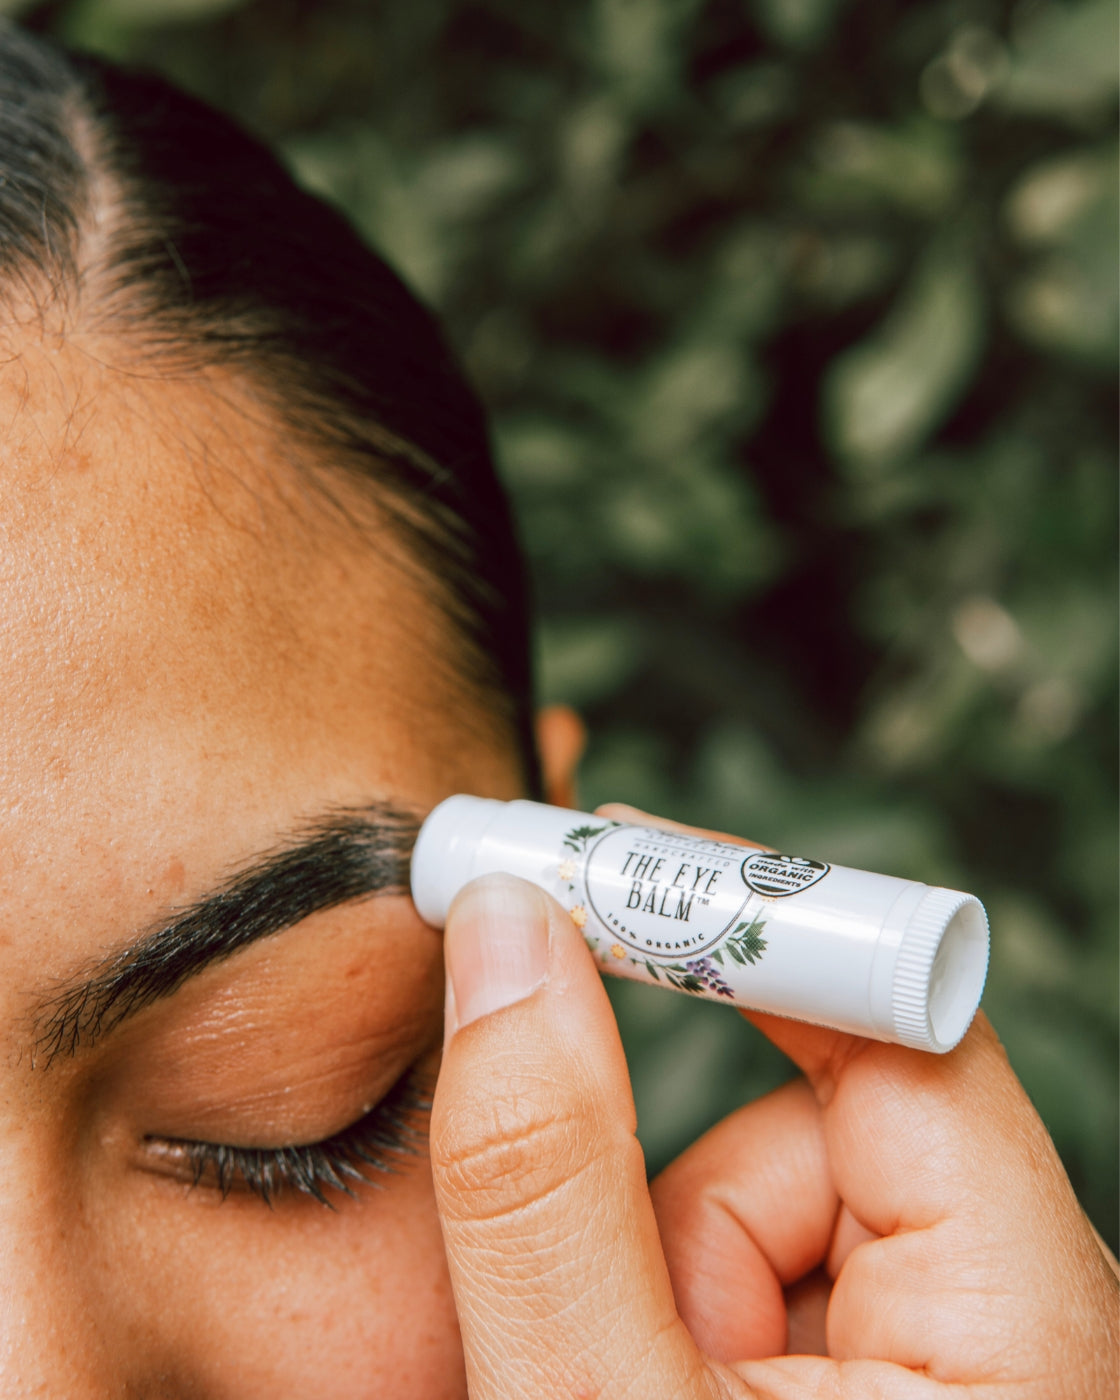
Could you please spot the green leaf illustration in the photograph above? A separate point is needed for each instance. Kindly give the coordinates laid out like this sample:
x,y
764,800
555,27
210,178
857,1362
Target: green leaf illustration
x,y
578,837
746,944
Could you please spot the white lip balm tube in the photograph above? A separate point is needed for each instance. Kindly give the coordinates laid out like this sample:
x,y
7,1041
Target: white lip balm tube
x,y
891,959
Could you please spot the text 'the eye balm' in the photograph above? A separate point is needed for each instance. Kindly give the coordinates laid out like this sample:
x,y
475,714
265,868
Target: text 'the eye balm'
x,y
892,959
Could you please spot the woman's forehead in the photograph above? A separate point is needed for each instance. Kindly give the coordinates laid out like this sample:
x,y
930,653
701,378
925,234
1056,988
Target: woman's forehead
x,y
190,668
164,604
156,527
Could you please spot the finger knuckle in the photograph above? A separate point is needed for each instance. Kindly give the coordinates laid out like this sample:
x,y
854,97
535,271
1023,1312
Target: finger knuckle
x,y
500,1154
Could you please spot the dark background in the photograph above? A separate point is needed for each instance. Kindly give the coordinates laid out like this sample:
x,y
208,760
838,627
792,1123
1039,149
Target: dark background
x,y
798,323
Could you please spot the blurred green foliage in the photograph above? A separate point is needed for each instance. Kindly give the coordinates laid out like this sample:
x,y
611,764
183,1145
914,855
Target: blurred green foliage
x,y
798,322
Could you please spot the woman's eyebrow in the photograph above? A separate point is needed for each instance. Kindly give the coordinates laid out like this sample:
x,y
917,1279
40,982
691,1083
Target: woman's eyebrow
x,y
341,856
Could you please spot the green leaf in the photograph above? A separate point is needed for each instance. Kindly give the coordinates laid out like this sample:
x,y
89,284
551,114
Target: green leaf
x,y
1063,62
154,12
915,167
884,397
584,659
637,46
798,24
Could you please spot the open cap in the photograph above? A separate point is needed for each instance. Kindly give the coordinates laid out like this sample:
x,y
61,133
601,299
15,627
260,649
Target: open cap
x,y
939,970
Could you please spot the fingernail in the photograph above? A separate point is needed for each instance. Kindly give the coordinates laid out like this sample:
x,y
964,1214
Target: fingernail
x,y
496,948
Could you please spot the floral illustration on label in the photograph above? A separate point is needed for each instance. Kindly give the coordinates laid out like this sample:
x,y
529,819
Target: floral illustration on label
x,y
578,837
745,945
576,841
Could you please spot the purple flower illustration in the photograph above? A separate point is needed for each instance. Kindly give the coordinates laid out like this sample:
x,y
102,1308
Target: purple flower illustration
x,y
707,974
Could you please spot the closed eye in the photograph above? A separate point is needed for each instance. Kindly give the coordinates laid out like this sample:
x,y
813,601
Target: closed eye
x,y
375,1145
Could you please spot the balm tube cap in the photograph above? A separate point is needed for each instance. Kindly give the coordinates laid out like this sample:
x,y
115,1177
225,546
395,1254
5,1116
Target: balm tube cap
x,y
940,970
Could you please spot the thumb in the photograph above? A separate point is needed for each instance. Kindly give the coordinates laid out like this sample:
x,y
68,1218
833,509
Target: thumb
x,y
555,1259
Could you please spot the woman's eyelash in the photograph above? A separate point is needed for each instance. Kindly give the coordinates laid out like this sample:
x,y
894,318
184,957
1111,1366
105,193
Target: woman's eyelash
x,y
369,1148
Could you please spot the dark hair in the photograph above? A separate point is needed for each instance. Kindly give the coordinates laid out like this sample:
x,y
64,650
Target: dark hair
x,y
184,234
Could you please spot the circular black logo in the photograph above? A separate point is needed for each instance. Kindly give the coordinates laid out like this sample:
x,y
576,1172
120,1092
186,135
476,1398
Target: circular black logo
x,y
774,875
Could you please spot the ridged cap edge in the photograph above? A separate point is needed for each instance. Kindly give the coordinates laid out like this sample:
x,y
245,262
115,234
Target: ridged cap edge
x,y
910,992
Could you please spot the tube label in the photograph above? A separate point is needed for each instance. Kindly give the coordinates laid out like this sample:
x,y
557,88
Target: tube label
x,y
671,907
663,895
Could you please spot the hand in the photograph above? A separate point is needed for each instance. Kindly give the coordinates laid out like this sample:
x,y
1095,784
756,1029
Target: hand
x,y
905,1214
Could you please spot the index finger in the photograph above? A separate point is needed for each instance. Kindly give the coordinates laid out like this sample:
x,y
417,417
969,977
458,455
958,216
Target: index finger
x,y
634,816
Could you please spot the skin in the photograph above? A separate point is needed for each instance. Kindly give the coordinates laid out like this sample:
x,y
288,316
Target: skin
x,y
199,654
893,1226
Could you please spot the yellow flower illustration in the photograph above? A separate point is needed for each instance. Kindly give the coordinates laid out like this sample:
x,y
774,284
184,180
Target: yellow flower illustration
x,y
617,950
567,869
579,916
